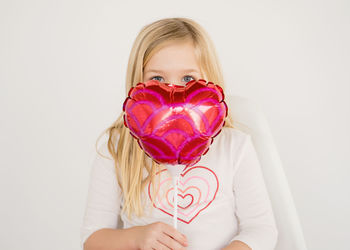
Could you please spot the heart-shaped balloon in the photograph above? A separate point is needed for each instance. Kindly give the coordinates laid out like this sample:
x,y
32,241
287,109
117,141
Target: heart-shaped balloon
x,y
175,124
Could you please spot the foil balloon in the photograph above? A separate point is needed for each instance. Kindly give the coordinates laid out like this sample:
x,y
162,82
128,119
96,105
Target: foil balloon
x,y
175,124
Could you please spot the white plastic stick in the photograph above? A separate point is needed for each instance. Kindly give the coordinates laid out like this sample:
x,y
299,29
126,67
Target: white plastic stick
x,y
175,184
175,172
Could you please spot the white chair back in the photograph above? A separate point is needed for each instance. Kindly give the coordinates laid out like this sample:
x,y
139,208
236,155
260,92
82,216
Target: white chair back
x,y
249,118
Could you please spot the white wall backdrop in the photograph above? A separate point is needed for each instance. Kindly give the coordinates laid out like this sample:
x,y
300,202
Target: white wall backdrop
x,y
62,73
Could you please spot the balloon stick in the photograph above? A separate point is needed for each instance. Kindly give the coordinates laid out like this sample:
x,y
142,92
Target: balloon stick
x,y
175,184
175,172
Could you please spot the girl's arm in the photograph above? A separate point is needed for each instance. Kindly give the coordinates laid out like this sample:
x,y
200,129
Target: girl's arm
x,y
103,202
237,245
257,227
111,239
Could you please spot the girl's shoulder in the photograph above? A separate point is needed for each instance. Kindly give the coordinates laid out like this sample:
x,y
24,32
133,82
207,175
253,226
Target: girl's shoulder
x,y
233,139
234,133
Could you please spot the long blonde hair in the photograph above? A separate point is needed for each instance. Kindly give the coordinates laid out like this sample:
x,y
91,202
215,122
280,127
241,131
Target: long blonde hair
x,y
129,159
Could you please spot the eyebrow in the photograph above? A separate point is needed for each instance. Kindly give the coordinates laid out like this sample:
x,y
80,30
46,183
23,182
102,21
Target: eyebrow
x,y
184,71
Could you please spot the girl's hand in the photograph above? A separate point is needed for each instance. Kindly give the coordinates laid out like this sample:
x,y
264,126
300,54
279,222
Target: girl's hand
x,y
159,236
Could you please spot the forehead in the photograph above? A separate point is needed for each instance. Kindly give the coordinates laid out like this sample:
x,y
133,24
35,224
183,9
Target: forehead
x,y
175,56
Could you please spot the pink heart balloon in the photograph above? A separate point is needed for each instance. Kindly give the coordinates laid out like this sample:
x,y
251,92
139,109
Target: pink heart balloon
x,y
175,124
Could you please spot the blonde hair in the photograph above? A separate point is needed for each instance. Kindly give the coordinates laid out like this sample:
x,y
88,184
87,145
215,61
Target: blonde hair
x,y
129,159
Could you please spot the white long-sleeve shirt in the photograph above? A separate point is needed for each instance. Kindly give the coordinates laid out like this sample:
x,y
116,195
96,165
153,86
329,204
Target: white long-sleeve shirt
x,y
221,198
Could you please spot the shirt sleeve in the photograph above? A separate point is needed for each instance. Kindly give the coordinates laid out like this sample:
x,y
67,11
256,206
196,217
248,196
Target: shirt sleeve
x,y
257,227
103,199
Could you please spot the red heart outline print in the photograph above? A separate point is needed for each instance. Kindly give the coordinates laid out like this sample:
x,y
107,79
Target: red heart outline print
x,y
199,183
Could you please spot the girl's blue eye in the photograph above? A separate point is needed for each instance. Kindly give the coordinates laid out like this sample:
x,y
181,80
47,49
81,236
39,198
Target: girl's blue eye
x,y
190,77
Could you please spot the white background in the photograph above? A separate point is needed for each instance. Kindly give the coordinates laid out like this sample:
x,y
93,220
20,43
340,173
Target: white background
x,y
62,74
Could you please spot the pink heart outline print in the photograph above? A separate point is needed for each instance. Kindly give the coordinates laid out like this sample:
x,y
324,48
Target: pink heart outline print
x,y
200,185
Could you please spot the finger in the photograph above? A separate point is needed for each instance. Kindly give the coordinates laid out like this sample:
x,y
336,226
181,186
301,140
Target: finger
x,y
160,246
174,234
169,242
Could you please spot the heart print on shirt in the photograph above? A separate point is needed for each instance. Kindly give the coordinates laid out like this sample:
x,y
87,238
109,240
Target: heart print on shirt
x,y
197,188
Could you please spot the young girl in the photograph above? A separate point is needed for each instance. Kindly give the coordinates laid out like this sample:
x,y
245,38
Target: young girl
x,y
222,200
